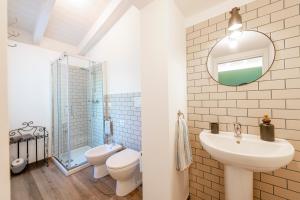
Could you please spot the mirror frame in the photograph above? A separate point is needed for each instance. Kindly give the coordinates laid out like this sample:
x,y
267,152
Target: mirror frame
x,y
253,80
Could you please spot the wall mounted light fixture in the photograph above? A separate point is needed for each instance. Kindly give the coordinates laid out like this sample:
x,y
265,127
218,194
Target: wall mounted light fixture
x,y
235,21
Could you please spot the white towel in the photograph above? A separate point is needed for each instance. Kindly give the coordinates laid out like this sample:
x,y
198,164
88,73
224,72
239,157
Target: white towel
x,y
183,148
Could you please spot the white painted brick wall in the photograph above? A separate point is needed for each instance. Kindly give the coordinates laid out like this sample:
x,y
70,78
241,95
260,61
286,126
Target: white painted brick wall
x,y
277,93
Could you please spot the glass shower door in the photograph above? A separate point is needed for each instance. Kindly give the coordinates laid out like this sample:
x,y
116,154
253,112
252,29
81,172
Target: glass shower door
x,y
96,106
78,114
61,142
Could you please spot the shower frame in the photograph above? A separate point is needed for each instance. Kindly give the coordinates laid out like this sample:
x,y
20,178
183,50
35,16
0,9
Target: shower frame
x,y
67,168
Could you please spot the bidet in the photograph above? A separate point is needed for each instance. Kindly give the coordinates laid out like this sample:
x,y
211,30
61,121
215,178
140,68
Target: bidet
x,y
97,157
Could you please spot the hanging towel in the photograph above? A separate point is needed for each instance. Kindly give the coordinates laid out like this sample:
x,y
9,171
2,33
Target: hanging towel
x,y
183,148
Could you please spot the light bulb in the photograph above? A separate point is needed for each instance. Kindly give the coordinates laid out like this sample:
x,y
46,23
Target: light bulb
x,y
235,35
234,27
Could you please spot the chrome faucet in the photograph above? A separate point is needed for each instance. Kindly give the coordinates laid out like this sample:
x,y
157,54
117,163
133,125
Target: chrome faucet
x,y
237,129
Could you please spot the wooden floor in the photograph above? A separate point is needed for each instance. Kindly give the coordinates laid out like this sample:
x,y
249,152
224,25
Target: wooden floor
x,y
48,183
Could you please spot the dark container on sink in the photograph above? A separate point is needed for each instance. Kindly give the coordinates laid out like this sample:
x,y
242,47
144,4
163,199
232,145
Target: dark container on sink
x,y
267,132
214,127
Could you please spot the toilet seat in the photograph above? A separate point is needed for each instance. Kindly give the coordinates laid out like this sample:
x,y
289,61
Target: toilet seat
x,y
123,159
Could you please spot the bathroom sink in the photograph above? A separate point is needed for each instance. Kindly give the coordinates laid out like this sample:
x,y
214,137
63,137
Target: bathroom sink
x,y
243,156
250,152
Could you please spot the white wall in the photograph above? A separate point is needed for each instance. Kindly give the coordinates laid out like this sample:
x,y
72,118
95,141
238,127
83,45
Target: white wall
x,y
29,87
164,93
177,94
120,49
4,149
155,116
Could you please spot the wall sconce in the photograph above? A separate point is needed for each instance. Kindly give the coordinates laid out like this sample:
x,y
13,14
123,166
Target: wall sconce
x,y
235,21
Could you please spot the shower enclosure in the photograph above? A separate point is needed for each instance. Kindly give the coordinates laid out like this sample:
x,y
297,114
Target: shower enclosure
x,y
78,120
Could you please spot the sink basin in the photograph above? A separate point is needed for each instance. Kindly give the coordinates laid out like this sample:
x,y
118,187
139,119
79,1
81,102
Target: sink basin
x,y
241,157
250,153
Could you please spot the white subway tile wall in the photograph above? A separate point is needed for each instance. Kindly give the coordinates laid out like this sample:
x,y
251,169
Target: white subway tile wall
x,y
277,93
78,99
125,112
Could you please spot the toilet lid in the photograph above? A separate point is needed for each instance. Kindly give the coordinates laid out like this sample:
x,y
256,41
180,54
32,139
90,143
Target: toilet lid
x,y
102,150
123,159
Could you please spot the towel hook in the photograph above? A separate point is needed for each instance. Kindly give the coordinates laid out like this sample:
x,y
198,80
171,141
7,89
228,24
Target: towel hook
x,y
179,113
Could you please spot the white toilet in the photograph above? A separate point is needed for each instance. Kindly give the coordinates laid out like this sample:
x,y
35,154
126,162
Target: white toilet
x,y
124,168
97,156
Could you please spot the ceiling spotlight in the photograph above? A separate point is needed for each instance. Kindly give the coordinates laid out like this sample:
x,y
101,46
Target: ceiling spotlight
x,y
235,21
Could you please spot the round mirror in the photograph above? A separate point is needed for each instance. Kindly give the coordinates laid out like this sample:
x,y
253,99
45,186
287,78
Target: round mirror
x,y
241,60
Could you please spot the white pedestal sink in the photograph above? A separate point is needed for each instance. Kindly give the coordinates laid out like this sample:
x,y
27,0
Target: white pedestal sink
x,y
243,157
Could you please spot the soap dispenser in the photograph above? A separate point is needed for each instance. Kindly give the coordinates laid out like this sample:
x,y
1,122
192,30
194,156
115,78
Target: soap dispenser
x,y
267,129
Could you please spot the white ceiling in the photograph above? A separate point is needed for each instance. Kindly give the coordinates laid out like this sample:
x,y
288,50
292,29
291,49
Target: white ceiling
x,y
69,20
72,21
26,11
192,7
